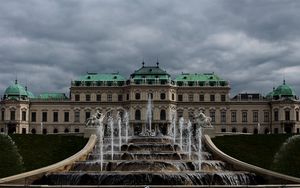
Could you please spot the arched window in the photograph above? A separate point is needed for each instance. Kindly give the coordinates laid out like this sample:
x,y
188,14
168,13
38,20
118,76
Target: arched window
x,y
2,130
267,131
44,131
255,131
33,131
163,115
55,131
233,130
137,115
66,130
245,130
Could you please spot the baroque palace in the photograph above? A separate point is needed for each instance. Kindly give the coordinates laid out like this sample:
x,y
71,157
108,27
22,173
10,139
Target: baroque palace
x,y
185,95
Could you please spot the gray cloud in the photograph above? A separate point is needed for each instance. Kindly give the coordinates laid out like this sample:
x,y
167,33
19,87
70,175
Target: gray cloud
x,y
253,44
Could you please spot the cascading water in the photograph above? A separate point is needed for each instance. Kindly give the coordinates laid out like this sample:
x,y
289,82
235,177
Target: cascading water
x,y
100,134
174,127
126,119
199,131
119,120
181,122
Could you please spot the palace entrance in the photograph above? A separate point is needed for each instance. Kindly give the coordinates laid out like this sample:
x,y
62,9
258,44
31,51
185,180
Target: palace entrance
x,y
11,128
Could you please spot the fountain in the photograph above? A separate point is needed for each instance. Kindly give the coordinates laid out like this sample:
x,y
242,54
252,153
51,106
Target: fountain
x,y
150,160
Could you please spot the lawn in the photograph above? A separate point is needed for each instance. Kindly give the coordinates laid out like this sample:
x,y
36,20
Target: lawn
x,y
36,151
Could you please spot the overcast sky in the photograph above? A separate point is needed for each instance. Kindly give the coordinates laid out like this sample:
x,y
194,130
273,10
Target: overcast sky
x,y
253,44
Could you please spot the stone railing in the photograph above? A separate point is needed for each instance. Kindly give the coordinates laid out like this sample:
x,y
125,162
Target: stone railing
x,y
27,178
269,176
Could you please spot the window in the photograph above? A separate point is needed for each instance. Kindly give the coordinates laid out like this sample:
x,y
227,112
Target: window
x,y
212,98
33,116
223,116
212,115
287,115
137,96
223,130
150,95
162,115
233,116
233,130
77,116
87,115
76,130
24,115
33,131
297,115
44,131
191,97
66,130
173,97
137,115
276,116
66,116
201,97
55,116
77,97
55,131
127,96
12,115
223,98
44,116
255,116
179,113
98,97
266,116
179,97
2,115
276,131
88,97
109,97
244,130
162,96
120,98
244,117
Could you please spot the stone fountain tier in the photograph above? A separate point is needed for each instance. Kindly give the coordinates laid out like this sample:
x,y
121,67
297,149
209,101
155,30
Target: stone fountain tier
x,y
148,178
146,165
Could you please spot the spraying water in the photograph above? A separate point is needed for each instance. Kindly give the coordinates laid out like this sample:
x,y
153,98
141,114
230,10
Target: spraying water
x,y
181,121
120,130
199,147
126,119
111,124
174,127
42,127
100,133
189,139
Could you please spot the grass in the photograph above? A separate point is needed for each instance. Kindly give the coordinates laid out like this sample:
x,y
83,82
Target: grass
x,y
260,150
42,150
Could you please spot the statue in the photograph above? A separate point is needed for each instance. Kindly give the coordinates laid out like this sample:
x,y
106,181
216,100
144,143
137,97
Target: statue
x,y
95,119
202,120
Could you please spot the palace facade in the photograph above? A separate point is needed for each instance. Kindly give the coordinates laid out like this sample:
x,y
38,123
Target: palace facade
x,y
185,95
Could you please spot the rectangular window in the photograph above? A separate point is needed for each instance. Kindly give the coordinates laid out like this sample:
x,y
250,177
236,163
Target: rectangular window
x,y
109,97
33,116
127,96
212,98
24,116
173,97
87,115
12,115
287,116
276,117
2,115
255,116
179,97
87,97
297,116
55,116
77,116
223,98
44,116
66,117
212,115
179,113
233,116
223,116
191,97
266,116
244,117
201,97
98,97
120,98
77,97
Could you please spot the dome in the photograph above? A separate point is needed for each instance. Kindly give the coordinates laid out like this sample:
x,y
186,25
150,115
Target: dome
x,y
284,90
15,90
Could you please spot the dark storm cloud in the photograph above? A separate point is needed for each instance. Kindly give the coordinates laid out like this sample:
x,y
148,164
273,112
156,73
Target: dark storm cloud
x,y
253,44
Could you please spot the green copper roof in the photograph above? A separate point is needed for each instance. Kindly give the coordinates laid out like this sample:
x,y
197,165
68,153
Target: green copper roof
x,y
54,96
30,95
15,90
101,77
150,72
198,77
284,90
